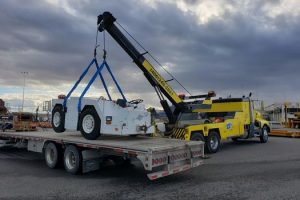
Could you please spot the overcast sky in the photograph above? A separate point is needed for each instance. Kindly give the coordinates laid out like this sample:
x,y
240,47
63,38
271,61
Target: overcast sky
x,y
230,46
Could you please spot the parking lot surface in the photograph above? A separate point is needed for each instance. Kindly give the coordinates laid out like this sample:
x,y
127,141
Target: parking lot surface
x,y
241,170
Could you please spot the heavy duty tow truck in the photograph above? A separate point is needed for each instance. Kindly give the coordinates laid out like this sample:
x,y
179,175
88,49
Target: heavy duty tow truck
x,y
238,115
233,118
116,120
100,116
240,120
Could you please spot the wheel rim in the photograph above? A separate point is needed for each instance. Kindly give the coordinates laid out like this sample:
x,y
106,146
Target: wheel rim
x,y
70,160
56,119
214,142
88,123
50,155
265,134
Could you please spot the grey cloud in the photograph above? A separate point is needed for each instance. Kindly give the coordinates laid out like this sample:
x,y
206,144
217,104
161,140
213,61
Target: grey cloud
x,y
234,53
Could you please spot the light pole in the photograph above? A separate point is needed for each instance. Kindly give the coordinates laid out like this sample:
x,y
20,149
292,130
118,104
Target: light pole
x,y
24,75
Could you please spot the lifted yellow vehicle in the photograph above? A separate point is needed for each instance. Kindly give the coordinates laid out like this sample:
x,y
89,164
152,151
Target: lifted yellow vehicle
x,y
233,118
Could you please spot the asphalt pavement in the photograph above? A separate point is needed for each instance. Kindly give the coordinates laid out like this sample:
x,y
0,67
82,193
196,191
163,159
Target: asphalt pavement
x,y
241,170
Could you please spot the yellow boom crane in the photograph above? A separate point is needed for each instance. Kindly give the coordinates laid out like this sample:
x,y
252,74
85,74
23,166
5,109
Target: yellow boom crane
x,y
163,89
194,118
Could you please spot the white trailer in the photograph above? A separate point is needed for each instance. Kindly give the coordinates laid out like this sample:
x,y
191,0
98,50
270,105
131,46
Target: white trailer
x,y
160,156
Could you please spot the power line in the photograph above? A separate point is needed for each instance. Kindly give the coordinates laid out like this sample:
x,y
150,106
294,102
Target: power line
x,y
153,58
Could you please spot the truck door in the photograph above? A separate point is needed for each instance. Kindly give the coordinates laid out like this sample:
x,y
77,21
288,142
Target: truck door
x,y
232,124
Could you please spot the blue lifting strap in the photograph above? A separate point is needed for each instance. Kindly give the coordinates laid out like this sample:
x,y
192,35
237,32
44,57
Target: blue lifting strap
x,y
98,72
115,81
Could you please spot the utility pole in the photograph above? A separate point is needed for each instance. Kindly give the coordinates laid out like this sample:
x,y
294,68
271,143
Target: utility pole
x,y
24,75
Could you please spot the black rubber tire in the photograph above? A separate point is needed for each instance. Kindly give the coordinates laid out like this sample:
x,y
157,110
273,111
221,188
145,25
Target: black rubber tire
x,y
134,135
212,148
73,160
61,126
197,136
53,155
264,138
95,133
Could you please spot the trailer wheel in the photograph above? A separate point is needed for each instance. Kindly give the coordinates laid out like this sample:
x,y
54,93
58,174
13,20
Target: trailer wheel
x,y
52,155
58,119
197,136
212,142
73,160
90,124
264,135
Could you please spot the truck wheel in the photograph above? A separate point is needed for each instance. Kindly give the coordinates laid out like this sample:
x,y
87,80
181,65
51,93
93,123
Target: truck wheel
x,y
197,136
73,160
52,155
90,124
264,135
212,142
58,119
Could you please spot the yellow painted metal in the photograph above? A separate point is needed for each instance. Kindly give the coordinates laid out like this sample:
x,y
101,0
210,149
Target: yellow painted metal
x,y
207,101
161,81
230,127
225,107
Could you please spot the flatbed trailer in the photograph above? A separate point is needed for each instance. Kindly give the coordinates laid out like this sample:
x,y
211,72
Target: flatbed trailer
x,y
160,156
286,132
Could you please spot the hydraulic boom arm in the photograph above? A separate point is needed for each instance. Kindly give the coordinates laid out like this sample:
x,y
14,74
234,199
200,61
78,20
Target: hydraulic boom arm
x,y
106,22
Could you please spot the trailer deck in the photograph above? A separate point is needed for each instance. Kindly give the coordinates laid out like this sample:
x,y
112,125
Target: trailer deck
x,y
168,156
137,144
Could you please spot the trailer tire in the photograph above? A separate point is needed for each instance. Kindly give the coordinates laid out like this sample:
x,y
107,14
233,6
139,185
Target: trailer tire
x,y
90,124
58,119
264,135
197,136
73,160
212,142
52,155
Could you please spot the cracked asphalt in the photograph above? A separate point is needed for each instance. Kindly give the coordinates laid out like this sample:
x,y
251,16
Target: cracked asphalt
x,y
242,170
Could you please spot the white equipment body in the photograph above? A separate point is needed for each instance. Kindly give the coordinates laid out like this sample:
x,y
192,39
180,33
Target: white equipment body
x,y
131,119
